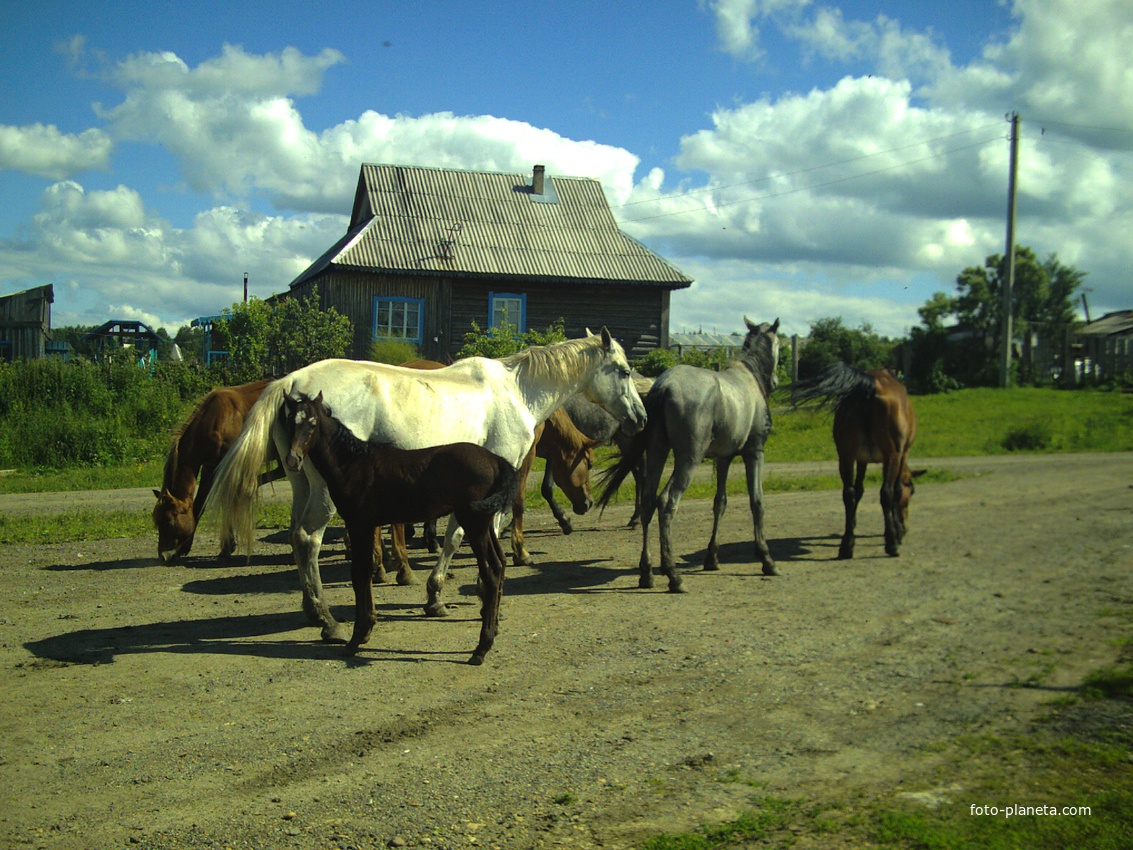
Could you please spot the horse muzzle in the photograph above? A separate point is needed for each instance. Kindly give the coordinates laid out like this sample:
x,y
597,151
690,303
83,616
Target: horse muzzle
x,y
294,461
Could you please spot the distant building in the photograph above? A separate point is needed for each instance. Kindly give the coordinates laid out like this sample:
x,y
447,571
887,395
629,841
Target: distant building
x,y
1103,348
429,251
25,323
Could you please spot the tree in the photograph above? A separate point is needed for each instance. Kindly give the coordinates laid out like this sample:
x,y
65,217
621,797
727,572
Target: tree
x,y
830,341
270,340
1042,306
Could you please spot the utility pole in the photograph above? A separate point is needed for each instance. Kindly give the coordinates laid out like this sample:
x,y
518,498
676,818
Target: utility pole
x,y
245,287
1009,281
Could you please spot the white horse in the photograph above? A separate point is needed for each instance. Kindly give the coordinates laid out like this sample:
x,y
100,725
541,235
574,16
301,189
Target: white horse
x,y
491,403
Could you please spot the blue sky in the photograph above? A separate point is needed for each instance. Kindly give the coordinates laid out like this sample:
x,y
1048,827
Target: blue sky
x,y
798,158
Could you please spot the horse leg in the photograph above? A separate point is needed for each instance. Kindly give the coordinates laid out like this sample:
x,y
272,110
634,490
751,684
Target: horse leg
x,y
638,473
753,466
361,578
310,512
654,469
490,562
547,489
719,505
399,553
889,506
434,607
520,557
429,530
670,501
853,486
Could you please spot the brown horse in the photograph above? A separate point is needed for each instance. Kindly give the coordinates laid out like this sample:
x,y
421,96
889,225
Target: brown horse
x,y
374,484
570,456
874,422
198,446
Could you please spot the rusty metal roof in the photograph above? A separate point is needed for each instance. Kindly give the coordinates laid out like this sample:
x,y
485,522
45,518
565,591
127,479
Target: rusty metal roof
x,y
410,219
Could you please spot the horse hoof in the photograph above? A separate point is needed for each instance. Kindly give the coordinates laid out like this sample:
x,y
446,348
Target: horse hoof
x,y
676,587
476,660
770,570
711,566
566,526
436,609
892,553
334,634
645,583
407,578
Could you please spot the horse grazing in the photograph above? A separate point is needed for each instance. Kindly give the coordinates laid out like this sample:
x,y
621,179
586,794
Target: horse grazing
x,y
375,485
198,445
697,413
492,403
874,422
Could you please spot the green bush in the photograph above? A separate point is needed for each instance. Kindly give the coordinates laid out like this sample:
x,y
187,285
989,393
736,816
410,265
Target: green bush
x,y
56,414
1030,437
393,351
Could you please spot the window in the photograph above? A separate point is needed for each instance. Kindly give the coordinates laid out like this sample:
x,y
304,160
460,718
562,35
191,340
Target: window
x,y
507,307
398,318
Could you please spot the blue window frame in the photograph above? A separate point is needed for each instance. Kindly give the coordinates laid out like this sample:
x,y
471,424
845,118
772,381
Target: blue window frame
x,y
396,317
507,306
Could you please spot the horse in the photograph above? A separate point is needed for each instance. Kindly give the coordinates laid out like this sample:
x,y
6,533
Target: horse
x,y
492,403
375,484
602,428
874,422
697,413
569,455
196,449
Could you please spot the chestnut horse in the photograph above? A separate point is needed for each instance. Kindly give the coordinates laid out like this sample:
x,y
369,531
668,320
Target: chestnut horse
x,y
377,484
198,445
874,422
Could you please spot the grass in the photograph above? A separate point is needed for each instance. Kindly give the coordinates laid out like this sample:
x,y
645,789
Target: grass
x,y
1080,755
963,423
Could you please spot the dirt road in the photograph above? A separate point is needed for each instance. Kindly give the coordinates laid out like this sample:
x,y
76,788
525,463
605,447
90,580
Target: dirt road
x,y
154,706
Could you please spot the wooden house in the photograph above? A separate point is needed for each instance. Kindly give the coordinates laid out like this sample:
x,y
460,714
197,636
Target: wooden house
x,y
429,251
25,323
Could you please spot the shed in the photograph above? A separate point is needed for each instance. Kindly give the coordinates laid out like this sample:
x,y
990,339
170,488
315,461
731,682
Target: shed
x,y
1104,348
25,323
429,251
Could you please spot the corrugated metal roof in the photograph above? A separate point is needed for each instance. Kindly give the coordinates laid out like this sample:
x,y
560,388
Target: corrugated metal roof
x,y
1111,324
703,340
413,219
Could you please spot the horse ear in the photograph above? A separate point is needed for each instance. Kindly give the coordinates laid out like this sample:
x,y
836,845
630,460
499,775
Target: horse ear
x,y
157,493
917,473
607,340
751,326
774,326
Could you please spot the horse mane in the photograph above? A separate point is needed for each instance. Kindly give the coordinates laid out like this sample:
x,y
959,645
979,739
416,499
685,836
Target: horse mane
x,y
759,359
567,432
558,361
174,456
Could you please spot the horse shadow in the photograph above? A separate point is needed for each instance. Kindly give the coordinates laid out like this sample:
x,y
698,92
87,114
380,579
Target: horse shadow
x,y
255,635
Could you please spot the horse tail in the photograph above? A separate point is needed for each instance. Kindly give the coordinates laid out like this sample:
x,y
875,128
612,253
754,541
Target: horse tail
x,y
235,488
503,491
837,385
630,452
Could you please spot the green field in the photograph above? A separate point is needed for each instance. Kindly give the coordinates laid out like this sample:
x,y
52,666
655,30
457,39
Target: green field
x,y
963,423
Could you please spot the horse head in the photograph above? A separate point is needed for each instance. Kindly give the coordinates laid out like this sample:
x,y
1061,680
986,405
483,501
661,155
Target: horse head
x,y
907,486
762,345
176,525
612,387
571,472
301,419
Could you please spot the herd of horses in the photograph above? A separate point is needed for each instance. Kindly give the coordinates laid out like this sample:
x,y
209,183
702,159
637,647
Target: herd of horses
x,y
389,446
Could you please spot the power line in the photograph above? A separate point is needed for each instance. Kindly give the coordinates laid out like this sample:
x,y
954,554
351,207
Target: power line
x,y
833,182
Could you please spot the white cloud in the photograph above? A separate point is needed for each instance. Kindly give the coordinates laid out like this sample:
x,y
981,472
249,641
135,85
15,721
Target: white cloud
x,y
251,139
44,151
737,23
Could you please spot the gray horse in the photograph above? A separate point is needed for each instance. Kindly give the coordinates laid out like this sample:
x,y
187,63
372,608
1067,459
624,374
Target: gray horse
x,y
598,425
699,413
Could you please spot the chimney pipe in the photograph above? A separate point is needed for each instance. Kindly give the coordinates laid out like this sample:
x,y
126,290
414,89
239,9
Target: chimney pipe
x,y
537,180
